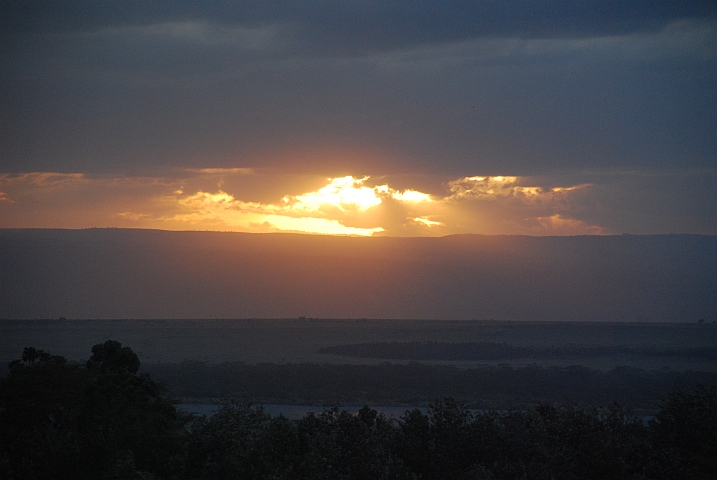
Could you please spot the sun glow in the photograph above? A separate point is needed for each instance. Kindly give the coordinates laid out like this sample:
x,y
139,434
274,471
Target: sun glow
x,y
350,194
411,196
427,222
323,226
338,208
344,193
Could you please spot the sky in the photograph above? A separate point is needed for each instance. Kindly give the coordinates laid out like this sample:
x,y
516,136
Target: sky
x,y
422,118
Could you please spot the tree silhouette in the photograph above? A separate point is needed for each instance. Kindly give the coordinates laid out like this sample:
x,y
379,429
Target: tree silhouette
x,y
111,356
61,420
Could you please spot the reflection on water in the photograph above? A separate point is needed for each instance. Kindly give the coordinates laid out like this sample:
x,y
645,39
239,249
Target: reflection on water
x,y
296,412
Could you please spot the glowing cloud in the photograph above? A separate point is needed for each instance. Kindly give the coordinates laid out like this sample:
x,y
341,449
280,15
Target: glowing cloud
x,y
482,187
316,225
42,179
412,196
222,171
489,188
219,199
350,194
343,193
297,214
427,222
568,226
132,216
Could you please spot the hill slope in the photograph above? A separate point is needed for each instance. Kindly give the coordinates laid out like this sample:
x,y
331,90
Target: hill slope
x,y
116,273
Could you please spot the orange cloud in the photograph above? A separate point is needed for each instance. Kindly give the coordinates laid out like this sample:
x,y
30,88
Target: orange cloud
x,y
41,179
345,193
224,211
560,225
220,199
328,210
492,188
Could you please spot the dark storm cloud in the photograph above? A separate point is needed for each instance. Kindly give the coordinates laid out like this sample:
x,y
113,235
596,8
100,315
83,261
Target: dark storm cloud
x,y
367,25
191,92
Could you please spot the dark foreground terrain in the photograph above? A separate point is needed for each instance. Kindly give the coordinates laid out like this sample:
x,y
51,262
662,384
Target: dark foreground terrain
x,y
103,419
486,364
418,385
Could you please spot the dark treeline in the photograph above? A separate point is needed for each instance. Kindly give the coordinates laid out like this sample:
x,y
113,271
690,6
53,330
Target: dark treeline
x,y
487,351
418,384
103,420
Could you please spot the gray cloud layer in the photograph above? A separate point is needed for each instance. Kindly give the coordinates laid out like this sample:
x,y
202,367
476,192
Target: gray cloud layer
x,y
367,24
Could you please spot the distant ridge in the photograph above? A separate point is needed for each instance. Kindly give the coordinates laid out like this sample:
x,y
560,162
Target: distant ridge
x,y
488,351
126,273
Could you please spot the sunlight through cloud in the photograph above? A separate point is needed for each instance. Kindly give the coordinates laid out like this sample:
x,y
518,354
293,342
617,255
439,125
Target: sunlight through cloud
x,y
343,193
237,200
301,213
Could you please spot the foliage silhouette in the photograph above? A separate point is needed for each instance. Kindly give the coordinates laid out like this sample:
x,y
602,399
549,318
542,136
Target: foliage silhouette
x,y
103,420
60,420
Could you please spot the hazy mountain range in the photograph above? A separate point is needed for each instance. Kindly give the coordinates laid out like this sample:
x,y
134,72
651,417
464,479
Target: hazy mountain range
x,y
123,273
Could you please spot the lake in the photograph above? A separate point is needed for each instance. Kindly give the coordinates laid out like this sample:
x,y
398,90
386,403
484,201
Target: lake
x,y
296,412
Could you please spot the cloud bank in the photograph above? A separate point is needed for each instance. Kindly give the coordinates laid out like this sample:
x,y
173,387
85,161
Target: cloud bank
x,y
250,201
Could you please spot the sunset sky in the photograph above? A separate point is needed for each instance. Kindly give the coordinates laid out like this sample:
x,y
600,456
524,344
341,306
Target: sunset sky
x,y
420,118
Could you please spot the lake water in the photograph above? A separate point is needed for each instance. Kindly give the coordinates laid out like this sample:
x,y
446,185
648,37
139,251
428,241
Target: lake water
x,y
296,412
